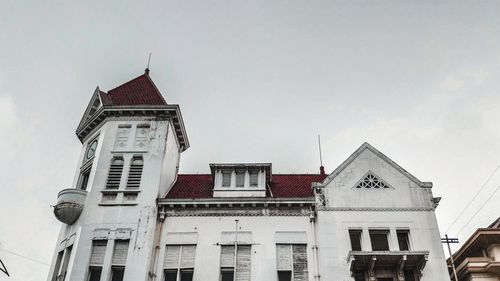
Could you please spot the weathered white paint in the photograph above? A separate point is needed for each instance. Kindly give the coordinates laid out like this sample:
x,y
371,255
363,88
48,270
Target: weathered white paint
x,y
263,231
404,205
140,217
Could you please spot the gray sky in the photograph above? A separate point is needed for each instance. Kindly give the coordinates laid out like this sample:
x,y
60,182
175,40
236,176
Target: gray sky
x,y
256,81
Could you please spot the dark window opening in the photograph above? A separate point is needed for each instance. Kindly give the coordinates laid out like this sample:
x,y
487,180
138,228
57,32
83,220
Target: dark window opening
x,y
227,274
95,274
359,275
84,179
186,275
410,275
355,236
385,279
403,241
254,178
240,178
284,275
379,240
226,178
170,275
117,273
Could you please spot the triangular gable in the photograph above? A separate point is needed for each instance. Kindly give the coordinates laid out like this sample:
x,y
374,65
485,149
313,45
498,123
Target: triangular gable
x,y
93,106
356,153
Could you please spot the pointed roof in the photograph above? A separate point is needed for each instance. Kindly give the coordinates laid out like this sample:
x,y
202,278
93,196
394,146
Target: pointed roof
x,y
139,96
138,91
358,151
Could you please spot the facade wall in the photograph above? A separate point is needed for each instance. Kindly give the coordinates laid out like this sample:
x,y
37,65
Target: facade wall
x,y
137,217
403,205
263,229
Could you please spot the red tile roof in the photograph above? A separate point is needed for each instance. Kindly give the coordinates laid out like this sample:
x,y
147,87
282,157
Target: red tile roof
x,y
138,91
191,186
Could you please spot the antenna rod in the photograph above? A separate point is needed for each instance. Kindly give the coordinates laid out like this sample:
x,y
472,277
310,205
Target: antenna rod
x,y
320,156
149,60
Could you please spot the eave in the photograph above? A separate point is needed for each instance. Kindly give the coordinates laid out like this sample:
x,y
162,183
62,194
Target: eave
x,y
171,111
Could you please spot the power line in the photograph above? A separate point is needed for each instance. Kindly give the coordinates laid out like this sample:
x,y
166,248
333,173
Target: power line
x,y
473,198
24,257
478,210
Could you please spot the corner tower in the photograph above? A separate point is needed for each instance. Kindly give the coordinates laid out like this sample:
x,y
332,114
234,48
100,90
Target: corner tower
x,y
131,145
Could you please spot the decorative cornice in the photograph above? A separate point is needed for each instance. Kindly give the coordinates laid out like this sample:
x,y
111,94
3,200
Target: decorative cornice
x,y
373,209
203,212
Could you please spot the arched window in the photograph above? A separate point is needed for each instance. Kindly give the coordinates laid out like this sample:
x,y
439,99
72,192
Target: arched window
x,y
115,173
135,173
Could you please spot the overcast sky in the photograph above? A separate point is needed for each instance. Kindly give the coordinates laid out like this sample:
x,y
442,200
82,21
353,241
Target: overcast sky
x,y
256,81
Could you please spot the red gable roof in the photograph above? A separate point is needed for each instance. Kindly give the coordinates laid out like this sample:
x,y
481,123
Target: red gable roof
x,y
138,91
282,186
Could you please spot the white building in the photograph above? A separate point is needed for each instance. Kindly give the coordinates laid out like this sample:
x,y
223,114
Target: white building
x,y
129,215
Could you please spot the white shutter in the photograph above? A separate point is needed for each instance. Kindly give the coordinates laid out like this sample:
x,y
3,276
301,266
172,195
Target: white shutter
x,y
98,250
299,262
284,257
120,252
187,256
227,256
171,260
243,263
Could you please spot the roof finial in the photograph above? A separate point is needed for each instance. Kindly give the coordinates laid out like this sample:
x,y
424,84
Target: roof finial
x,y
146,71
321,168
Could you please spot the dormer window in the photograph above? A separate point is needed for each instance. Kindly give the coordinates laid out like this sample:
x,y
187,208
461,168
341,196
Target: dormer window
x,y
226,178
254,178
240,180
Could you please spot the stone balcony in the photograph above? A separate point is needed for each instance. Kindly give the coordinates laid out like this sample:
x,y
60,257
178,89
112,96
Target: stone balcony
x,y
69,205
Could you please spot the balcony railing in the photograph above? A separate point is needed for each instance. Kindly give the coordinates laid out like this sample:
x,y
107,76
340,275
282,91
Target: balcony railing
x,y
69,205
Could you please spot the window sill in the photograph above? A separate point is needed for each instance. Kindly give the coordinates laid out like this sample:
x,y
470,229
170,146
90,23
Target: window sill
x,y
117,204
239,189
116,191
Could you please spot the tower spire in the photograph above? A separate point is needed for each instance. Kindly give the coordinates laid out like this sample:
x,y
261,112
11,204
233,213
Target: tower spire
x,y
146,71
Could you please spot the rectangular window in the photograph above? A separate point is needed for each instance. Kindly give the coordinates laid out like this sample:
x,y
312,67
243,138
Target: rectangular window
x,y
95,273
83,181
65,263
226,178
240,258
240,178
57,266
254,178
291,262
355,236
403,240
179,260
379,240
119,260
96,259
227,274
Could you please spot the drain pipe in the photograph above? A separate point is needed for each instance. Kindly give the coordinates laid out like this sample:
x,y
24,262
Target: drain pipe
x,y
312,219
154,260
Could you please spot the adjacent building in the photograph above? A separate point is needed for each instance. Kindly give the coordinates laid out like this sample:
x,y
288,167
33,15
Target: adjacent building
x,y
130,216
479,257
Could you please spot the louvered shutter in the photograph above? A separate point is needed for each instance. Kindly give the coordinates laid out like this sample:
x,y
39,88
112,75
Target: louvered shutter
x,y
243,263
98,250
135,174
284,257
120,252
187,256
227,256
299,262
171,260
115,174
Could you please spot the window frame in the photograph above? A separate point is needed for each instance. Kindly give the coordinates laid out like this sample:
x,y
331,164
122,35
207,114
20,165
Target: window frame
x,y
179,270
406,240
359,233
385,232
